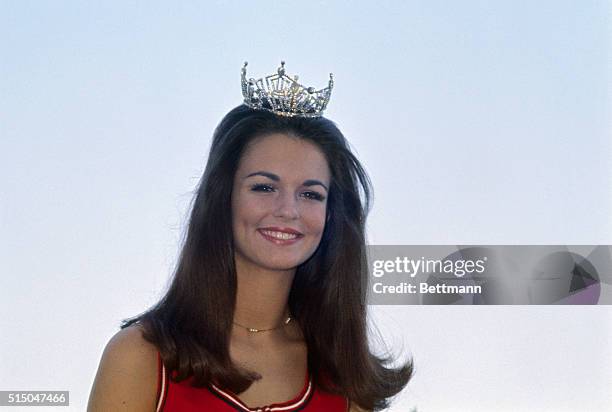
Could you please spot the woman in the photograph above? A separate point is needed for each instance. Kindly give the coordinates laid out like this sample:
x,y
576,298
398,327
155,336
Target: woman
x,y
267,304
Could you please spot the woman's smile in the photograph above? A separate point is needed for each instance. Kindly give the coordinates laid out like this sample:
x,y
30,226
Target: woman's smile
x,y
281,236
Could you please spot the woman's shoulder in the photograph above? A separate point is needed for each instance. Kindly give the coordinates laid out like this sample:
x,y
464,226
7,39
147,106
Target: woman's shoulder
x,y
130,342
129,347
127,375
354,408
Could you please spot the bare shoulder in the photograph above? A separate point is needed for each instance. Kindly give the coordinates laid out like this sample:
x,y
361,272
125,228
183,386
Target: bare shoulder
x,y
127,374
355,408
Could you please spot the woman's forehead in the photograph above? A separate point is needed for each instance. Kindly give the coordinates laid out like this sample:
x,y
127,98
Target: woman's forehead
x,y
282,153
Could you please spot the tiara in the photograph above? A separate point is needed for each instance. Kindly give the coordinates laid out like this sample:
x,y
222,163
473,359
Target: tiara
x,y
280,94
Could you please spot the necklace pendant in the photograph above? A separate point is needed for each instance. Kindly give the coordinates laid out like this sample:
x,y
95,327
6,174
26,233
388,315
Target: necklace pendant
x,y
253,330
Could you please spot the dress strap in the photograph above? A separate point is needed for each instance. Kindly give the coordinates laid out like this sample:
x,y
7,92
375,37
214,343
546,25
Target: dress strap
x,y
161,384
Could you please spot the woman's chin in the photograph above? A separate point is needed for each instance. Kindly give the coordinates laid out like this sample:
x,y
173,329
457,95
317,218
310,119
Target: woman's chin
x,y
281,266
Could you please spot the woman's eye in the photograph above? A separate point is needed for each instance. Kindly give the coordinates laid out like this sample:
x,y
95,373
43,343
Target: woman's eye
x,y
265,188
262,188
314,196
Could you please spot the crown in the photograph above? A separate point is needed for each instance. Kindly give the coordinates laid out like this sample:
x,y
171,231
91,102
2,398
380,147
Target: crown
x,y
280,94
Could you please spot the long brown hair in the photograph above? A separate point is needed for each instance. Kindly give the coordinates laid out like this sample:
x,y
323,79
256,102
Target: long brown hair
x,y
191,324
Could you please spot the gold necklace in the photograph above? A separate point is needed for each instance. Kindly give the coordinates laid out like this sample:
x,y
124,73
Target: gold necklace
x,y
253,330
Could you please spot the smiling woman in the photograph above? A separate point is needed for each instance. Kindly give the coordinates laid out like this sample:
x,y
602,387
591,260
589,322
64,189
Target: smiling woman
x,y
266,310
278,214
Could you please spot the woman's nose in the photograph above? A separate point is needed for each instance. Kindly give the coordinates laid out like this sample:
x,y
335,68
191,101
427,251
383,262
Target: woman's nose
x,y
287,207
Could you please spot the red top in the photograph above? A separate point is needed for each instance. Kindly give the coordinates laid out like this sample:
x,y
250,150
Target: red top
x,y
180,396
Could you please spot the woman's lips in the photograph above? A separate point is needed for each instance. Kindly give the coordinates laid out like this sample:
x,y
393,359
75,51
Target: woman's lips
x,y
280,237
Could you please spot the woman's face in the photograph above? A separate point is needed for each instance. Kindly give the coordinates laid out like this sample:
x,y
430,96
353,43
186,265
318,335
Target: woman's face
x,y
279,202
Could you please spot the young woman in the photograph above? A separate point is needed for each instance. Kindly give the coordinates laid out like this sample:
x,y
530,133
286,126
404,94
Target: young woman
x,y
266,311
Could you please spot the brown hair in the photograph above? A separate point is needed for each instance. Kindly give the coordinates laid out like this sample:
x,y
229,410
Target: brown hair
x,y
328,295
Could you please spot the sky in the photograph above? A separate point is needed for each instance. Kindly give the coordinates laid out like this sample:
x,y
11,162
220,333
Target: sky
x,y
478,122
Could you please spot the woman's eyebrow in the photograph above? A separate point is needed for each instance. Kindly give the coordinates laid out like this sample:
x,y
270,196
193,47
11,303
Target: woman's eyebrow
x,y
276,178
266,174
313,182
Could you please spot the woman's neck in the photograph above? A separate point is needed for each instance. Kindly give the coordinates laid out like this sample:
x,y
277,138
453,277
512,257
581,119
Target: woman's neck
x,y
262,296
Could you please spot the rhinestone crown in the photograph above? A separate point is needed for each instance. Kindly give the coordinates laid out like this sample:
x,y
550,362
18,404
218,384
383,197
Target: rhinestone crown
x,y
280,94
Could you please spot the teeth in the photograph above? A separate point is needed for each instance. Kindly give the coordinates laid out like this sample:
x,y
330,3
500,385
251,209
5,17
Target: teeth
x,y
280,235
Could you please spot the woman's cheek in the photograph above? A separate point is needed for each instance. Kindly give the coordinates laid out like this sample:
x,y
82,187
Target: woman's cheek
x,y
316,219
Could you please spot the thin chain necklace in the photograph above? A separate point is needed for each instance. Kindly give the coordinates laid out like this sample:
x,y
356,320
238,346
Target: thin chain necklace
x,y
253,330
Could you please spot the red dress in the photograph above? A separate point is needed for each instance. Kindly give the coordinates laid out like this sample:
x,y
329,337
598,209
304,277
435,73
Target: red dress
x,y
173,396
